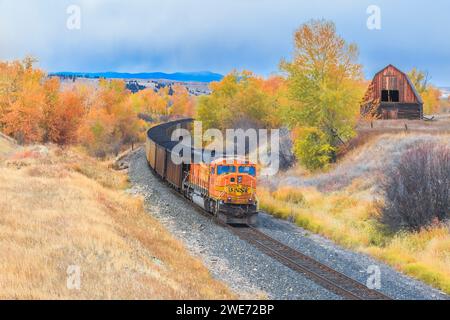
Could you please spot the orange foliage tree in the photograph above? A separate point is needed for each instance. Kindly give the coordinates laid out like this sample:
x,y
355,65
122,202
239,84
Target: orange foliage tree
x,y
67,118
111,122
34,108
182,102
22,101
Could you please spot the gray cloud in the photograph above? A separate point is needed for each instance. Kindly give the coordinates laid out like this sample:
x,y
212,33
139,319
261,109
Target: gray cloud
x,y
183,35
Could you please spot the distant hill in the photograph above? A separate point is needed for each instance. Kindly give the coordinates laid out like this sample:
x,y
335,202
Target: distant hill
x,y
204,76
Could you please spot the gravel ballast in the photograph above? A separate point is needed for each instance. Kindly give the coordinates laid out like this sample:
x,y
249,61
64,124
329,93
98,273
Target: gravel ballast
x,y
247,271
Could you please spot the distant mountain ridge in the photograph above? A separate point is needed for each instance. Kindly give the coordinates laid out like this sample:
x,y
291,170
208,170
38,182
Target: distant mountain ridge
x,y
204,76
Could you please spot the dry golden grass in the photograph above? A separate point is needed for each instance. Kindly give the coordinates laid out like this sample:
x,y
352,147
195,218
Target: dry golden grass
x,y
63,209
424,255
289,195
348,216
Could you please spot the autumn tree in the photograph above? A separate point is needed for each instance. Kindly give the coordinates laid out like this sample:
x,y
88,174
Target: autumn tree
x,y
11,80
67,118
96,132
111,93
431,100
182,104
275,88
241,100
48,123
112,121
33,108
22,101
429,93
370,105
325,87
151,103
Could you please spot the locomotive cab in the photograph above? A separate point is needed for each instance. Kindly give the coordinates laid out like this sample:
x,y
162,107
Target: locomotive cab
x,y
232,186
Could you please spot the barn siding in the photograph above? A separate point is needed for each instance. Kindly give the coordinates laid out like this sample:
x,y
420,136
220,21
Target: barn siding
x,y
406,93
409,106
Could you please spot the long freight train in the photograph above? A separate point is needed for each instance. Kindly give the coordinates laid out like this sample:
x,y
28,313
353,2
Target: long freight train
x,y
224,187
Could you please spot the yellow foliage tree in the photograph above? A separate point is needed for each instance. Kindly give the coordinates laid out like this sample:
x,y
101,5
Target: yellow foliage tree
x,y
242,100
150,102
429,93
431,100
325,87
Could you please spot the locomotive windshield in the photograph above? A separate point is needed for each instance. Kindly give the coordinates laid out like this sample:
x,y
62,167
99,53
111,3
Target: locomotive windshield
x,y
248,170
225,169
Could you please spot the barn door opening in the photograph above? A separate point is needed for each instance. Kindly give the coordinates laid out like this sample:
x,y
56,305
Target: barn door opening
x,y
390,96
394,95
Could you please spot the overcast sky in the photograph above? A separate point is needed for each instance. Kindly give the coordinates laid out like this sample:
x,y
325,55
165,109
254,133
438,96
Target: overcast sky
x,y
218,35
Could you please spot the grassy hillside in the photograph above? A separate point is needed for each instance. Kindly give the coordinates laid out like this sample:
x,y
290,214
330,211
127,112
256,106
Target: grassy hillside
x,y
340,204
60,209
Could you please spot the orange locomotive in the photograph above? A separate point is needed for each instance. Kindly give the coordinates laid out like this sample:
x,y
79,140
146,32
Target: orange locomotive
x,y
226,187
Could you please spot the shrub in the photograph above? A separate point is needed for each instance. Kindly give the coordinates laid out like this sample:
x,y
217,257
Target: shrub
x,y
416,189
312,149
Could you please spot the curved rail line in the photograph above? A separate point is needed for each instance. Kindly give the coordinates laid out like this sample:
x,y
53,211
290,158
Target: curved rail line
x,y
325,276
320,273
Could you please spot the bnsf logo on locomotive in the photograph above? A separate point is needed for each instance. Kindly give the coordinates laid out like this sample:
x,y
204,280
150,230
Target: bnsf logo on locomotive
x,y
237,189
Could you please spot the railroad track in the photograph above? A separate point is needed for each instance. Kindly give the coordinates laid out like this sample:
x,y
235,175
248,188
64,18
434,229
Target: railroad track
x,y
320,273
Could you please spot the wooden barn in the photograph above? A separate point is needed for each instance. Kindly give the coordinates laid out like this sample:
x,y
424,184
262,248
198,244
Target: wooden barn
x,y
392,95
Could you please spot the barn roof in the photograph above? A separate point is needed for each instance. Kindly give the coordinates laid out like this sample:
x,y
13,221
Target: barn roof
x,y
419,98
